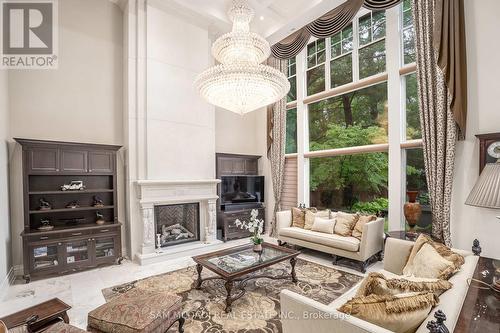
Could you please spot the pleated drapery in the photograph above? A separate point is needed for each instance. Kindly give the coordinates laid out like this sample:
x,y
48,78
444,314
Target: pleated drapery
x,y
276,143
439,129
449,42
326,26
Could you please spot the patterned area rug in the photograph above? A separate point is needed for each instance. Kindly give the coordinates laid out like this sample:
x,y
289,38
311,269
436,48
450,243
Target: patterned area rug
x,y
257,311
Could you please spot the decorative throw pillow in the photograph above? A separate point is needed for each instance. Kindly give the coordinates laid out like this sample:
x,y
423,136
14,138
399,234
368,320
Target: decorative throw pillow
x,y
429,264
345,223
358,228
323,225
444,251
378,284
397,313
310,216
299,216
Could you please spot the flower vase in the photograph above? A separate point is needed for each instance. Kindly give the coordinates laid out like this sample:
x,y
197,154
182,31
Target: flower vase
x,y
257,247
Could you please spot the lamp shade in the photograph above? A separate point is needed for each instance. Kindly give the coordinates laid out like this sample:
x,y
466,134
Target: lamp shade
x,y
486,192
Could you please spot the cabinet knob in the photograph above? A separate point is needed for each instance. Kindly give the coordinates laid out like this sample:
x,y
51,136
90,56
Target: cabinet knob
x,y
59,244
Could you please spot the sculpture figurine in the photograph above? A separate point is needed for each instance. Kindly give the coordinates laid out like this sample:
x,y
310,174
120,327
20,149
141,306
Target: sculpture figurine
x,y
45,225
98,202
73,204
75,185
44,204
99,219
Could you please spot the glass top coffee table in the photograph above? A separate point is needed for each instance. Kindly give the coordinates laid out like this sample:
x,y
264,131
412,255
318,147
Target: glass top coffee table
x,y
235,264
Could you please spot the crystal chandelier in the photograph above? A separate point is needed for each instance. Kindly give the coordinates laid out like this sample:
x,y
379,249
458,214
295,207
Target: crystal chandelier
x,y
241,83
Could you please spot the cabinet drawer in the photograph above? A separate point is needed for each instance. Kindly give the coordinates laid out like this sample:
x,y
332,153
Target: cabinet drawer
x,y
40,238
110,230
76,233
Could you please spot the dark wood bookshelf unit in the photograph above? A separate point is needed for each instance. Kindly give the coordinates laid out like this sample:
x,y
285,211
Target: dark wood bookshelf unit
x,y
76,242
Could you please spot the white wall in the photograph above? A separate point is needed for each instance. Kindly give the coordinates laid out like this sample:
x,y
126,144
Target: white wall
x,y
180,124
171,129
81,101
5,250
483,52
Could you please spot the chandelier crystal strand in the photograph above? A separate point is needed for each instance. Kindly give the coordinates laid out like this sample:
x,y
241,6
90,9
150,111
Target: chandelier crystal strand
x,y
241,83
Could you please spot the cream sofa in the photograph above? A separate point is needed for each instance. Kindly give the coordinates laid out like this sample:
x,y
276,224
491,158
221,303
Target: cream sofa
x,y
371,243
302,314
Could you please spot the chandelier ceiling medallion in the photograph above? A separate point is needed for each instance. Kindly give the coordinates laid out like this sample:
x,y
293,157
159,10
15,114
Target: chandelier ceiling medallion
x,y
241,83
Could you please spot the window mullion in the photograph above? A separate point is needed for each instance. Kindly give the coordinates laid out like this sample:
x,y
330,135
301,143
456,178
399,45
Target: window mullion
x,y
328,51
355,50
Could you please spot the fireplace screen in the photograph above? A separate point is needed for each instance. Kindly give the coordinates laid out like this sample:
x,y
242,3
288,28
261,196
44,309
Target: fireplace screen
x,y
176,224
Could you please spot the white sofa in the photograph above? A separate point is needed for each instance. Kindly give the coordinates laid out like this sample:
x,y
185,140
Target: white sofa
x,y
371,243
299,310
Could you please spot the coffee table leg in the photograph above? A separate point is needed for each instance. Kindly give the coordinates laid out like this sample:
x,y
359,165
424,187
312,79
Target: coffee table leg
x,y
293,261
65,317
199,268
229,301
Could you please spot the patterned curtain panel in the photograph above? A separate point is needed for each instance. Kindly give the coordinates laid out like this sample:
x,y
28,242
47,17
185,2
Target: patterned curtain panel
x,y
276,141
439,130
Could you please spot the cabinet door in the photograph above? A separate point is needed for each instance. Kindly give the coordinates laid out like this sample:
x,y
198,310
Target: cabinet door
x,y
45,257
105,249
251,167
225,166
73,161
43,159
239,167
77,253
101,161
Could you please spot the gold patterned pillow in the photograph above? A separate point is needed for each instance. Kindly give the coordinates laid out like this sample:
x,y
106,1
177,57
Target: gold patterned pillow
x,y
299,216
378,284
345,223
358,228
428,263
445,252
397,313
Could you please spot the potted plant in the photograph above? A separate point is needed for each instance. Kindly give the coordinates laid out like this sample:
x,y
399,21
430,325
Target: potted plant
x,y
255,226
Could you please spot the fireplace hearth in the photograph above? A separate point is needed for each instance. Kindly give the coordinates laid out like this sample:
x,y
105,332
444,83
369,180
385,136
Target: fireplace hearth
x,y
177,224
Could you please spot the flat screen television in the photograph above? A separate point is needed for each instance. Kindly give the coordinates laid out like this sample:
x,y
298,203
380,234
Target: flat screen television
x,y
242,189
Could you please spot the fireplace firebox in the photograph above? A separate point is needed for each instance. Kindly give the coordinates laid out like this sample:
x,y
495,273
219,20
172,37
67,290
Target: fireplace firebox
x,y
177,224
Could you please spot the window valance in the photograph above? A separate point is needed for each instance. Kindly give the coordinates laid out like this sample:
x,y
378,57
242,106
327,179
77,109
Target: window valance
x,y
327,25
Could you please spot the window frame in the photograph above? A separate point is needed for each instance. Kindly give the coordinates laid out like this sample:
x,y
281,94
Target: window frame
x,y
395,70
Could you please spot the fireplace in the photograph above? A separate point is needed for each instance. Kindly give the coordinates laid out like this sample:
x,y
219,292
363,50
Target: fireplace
x,y
177,224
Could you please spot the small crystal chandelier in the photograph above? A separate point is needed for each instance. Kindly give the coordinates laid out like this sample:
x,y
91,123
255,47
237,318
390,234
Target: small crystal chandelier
x,y
241,83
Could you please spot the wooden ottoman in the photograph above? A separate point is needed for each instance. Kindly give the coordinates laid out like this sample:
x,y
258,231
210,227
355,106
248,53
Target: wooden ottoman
x,y
137,311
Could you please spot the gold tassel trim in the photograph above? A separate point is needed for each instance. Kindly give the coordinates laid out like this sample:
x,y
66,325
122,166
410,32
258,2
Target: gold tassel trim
x,y
388,304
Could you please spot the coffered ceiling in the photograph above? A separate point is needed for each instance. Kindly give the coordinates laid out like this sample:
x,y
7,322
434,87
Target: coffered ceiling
x,y
274,19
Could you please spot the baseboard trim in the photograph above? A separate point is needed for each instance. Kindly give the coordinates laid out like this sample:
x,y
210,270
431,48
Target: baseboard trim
x,y
6,282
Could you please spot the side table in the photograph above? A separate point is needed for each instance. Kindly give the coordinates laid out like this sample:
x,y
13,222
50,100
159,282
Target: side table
x,y
481,308
47,313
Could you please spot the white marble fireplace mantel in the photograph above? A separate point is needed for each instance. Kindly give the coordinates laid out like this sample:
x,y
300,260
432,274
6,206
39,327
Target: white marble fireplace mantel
x,y
152,193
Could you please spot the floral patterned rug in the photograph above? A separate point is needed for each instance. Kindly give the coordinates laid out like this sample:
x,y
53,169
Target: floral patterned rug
x,y
257,311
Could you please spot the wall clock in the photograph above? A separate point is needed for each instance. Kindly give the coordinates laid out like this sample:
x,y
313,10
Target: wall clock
x,y
489,149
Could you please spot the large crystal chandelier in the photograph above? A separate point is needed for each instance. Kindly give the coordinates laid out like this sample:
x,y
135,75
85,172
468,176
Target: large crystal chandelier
x,y
241,83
